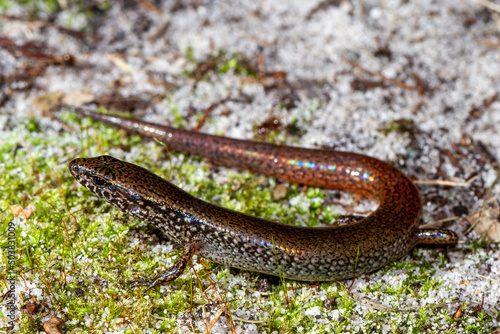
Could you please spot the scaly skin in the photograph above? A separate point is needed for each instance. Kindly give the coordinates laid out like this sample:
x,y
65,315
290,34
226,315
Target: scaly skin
x,y
247,242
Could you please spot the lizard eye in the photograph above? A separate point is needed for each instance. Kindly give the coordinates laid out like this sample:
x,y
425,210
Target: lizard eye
x,y
99,181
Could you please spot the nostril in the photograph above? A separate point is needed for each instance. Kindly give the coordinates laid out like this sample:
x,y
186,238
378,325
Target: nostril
x,y
75,164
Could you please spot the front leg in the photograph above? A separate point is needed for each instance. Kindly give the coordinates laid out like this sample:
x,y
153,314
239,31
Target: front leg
x,y
173,272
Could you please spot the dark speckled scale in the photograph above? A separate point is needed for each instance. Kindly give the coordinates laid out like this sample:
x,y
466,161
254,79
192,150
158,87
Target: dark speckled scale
x,y
247,242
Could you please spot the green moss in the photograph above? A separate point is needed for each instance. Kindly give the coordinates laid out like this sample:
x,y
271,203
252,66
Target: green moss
x,y
237,64
35,7
178,117
401,126
218,63
477,244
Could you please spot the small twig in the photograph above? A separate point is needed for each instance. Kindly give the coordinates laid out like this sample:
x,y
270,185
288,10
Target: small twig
x,y
119,61
260,292
422,89
380,75
208,111
160,31
490,100
149,6
448,183
440,222
491,279
214,320
249,321
224,304
490,5
489,44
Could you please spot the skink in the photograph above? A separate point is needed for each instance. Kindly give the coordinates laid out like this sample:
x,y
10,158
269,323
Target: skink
x,y
243,241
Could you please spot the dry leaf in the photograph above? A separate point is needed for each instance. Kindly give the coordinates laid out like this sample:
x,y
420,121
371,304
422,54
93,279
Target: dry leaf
x,y
119,62
48,101
488,226
53,325
78,99
32,308
459,312
280,191
24,213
